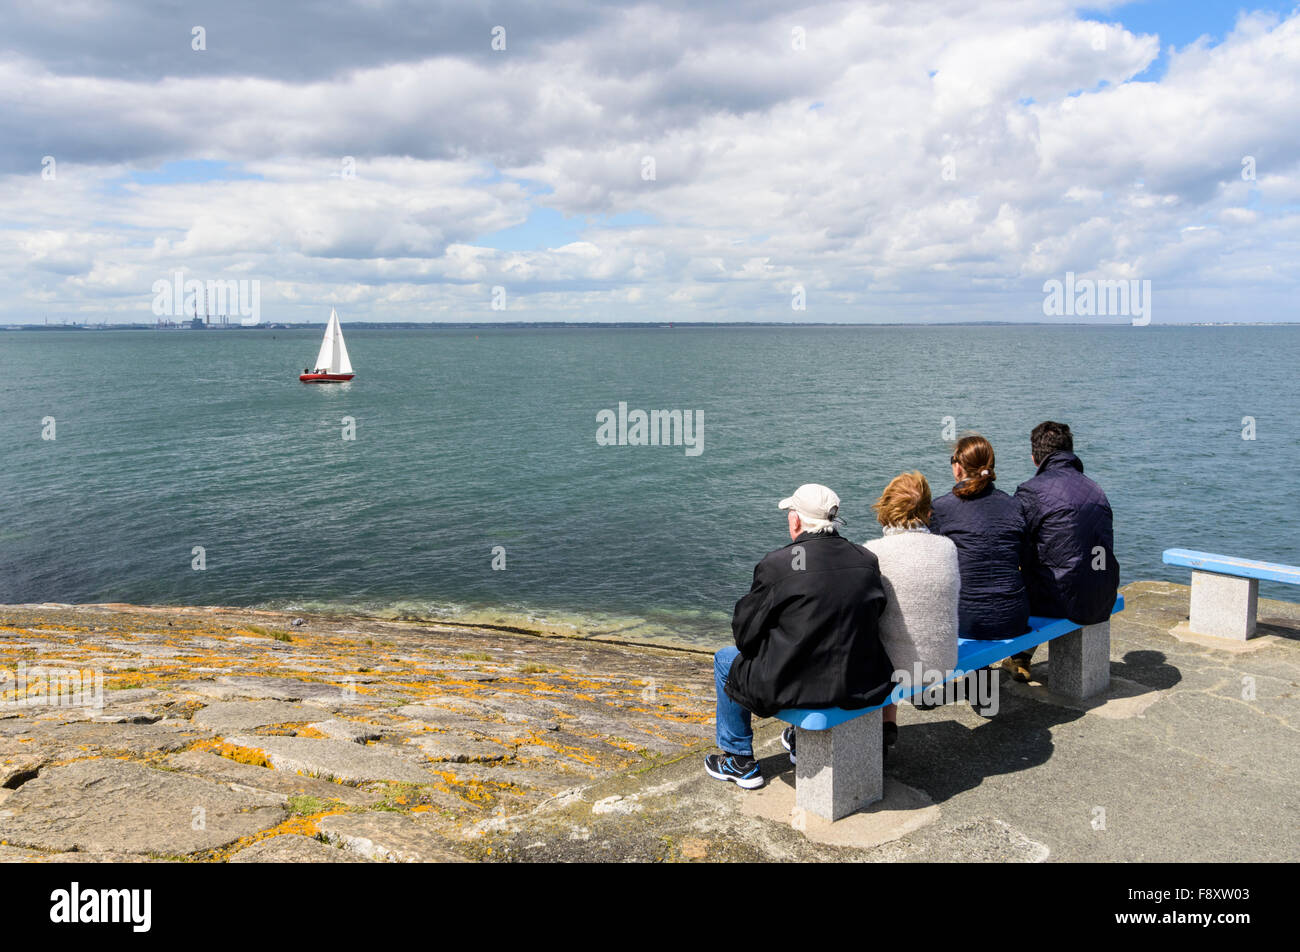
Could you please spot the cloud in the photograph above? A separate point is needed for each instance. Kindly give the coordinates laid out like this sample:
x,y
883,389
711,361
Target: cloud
x,y
899,162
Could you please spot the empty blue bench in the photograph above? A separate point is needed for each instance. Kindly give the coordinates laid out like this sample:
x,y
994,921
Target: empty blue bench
x,y
840,764
1225,590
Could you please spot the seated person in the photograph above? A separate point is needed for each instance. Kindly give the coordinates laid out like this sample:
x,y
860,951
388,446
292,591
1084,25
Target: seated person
x,y
1070,568
806,634
922,583
988,527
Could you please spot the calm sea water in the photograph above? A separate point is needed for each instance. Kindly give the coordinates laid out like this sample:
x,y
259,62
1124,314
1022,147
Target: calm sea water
x,y
471,439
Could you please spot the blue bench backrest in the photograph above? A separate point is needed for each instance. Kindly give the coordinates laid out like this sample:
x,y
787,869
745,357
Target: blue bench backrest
x,y
1228,565
971,656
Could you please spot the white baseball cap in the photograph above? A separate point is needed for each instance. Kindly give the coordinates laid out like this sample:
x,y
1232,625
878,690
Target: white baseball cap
x,y
815,504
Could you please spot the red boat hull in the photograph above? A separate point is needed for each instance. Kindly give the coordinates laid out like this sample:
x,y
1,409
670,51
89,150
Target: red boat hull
x,y
325,378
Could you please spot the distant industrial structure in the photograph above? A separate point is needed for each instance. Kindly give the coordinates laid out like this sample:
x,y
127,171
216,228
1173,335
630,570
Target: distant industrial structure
x,y
197,323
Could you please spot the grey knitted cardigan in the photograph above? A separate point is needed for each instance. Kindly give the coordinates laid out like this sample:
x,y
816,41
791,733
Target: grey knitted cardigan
x,y
922,581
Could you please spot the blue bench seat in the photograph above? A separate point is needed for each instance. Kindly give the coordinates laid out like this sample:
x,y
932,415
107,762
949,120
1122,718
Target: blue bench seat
x,y
839,767
971,656
1225,590
1230,565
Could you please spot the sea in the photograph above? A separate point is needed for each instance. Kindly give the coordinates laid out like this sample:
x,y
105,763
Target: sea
x,y
495,475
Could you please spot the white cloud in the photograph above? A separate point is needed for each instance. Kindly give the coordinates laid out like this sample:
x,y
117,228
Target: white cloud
x,y
911,160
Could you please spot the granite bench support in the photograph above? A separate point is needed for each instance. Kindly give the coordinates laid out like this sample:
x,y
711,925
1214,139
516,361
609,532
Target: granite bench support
x,y
840,770
840,764
1225,590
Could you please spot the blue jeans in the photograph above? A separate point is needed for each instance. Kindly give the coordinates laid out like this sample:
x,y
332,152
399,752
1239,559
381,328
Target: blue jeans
x,y
735,736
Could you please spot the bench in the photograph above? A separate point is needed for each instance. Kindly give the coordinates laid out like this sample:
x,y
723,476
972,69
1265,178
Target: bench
x,y
840,763
1225,590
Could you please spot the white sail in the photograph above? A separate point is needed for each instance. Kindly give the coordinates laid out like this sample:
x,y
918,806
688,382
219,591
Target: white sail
x,y
341,363
333,356
326,355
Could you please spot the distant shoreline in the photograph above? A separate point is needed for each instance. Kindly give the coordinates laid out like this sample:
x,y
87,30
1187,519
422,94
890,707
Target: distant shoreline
x,y
614,325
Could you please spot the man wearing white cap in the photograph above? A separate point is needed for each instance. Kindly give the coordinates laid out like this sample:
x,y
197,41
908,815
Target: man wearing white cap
x,y
807,634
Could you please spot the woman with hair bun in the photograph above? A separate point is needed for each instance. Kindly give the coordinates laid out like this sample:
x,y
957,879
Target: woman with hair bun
x,y
989,530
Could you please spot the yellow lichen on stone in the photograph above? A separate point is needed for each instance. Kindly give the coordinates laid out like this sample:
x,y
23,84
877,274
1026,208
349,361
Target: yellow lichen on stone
x,y
301,825
235,752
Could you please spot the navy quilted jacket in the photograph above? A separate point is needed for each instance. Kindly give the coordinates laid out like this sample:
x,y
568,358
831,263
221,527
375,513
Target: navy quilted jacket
x,y
1070,569
989,531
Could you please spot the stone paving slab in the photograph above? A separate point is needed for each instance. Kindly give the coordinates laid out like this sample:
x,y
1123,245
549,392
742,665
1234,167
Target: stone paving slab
x,y
11,854
224,770
108,739
223,716
388,837
460,748
355,731
116,806
338,760
19,767
294,848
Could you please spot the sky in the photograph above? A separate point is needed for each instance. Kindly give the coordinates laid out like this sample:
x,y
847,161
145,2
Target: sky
x,y
927,161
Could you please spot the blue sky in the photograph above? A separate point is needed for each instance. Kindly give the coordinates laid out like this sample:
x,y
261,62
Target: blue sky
x,y
1180,22
191,171
547,228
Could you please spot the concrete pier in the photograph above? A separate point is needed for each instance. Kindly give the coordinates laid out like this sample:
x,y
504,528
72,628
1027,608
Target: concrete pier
x,y
350,740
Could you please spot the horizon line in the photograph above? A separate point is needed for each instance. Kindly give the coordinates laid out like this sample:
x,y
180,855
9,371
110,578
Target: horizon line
x,y
291,325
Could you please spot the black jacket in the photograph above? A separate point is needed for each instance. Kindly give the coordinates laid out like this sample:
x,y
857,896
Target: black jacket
x,y
808,636
989,531
1070,568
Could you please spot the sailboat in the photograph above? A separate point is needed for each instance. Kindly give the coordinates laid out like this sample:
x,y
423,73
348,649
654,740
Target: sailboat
x,y
332,364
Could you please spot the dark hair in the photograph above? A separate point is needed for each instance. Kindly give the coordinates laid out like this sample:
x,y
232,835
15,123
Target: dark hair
x,y
975,456
1049,438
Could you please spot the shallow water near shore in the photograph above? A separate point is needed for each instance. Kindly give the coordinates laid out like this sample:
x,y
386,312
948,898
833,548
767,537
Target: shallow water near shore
x,y
468,440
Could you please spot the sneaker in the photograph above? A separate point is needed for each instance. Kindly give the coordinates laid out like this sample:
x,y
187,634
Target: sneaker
x,y
787,741
743,771
891,734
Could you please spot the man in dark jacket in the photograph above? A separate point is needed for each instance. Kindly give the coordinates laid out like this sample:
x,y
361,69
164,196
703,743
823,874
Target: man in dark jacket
x,y
1070,569
806,634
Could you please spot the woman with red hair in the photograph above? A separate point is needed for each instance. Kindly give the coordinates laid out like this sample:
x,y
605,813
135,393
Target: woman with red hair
x,y
921,579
